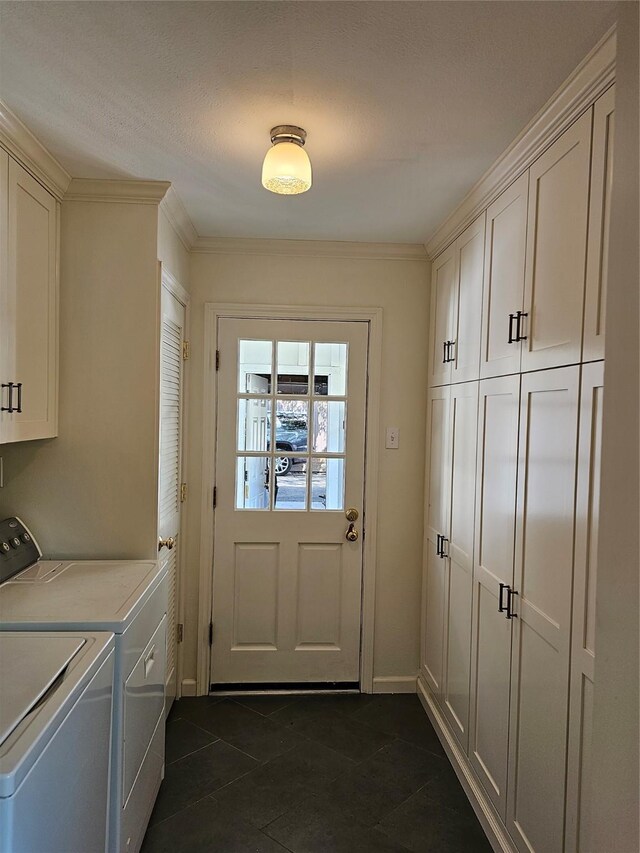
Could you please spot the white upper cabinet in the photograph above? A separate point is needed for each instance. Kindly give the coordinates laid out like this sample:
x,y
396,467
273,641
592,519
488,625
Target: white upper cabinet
x,y
599,215
504,260
467,303
495,515
541,602
443,284
551,325
29,300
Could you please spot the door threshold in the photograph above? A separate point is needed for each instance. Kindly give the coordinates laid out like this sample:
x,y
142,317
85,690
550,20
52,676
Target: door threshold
x,y
279,689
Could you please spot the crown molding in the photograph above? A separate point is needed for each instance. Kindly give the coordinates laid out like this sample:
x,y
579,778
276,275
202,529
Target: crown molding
x,y
310,248
589,80
121,191
17,139
179,219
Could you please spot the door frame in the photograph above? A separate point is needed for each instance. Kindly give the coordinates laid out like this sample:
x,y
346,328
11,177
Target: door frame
x,y
213,311
171,284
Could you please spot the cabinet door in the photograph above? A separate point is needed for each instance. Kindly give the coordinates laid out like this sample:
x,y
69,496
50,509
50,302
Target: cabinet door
x,y
504,259
437,523
599,223
443,279
32,303
578,836
497,465
547,451
467,303
459,564
6,330
556,250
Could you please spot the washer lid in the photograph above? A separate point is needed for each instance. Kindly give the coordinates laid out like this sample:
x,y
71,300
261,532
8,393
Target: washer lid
x,y
29,665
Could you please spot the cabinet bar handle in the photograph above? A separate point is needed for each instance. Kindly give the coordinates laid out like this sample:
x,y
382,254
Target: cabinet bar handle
x,y
501,605
18,408
512,317
438,544
8,408
510,613
442,551
445,345
520,316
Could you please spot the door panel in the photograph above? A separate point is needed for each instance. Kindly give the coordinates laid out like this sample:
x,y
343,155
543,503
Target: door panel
x,y
457,658
599,226
578,836
443,284
467,303
556,250
497,464
504,261
437,525
290,462
170,466
543,581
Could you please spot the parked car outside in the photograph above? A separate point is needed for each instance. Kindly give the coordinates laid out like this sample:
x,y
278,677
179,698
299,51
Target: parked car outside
x,y
291,435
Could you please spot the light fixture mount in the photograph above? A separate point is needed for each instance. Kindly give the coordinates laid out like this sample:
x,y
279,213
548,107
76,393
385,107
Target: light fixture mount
x,y
288,133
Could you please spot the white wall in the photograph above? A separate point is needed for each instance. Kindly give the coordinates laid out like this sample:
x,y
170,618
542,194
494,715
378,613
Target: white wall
x,y
401,289
92,492
616,734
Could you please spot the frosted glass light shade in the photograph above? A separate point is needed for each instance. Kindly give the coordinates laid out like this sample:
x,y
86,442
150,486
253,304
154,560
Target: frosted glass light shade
x,y
286,169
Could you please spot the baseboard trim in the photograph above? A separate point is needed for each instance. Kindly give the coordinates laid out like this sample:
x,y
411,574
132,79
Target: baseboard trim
x,y
188,686
482,806
394,684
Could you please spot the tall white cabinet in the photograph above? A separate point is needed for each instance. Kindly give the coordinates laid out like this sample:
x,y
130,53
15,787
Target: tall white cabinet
x,y
513,438
29,223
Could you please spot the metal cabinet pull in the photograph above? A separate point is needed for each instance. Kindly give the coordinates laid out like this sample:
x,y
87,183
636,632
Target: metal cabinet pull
x,y
18,408
443,554
8,408
501,605
512,317
450,345
445,345
520,316
438,544
510,613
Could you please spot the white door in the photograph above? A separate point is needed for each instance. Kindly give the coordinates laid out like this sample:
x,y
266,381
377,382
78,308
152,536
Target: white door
x,y
443,282
459,561
583,649
551,330
436,530
467,303
30,310
599,221
287,565
497,467
504,260
541,602
170,466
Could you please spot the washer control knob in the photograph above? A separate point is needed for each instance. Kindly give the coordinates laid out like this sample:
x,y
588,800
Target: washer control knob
x,y
5,546
25,537
15,542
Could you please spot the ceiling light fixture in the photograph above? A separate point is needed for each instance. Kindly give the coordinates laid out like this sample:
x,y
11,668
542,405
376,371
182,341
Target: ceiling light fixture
x,y
287,169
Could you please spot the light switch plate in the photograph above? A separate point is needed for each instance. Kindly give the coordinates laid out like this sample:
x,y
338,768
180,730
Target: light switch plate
x,y
393,438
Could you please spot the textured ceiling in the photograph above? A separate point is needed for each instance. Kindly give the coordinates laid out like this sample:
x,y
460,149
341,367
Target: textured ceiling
x,y
405,103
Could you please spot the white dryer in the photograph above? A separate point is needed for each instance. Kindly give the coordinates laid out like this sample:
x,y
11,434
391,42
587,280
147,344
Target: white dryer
x,y
129,599
55,738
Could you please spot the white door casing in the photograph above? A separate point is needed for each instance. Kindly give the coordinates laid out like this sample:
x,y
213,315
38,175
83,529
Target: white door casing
x,y
172,335
286,582
547,459
496,478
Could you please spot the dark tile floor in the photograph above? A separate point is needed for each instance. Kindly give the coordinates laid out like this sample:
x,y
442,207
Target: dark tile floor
x,y
308,774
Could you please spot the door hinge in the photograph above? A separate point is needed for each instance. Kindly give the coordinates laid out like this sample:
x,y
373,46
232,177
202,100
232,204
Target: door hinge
x,y
183,492
210,633
215,496
179,632
217,359
186,350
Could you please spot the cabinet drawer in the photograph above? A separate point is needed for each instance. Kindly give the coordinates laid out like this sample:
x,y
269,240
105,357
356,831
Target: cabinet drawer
x,y
143,704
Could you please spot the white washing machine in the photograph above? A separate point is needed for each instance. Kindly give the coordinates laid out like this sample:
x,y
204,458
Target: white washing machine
x,y
55,741
129,599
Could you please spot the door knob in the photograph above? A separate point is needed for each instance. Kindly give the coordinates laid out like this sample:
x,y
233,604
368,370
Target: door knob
x,y
352,533
169,542
351,514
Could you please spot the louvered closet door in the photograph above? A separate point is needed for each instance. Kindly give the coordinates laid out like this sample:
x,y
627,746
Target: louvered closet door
x,y
495,519
171,392
547,458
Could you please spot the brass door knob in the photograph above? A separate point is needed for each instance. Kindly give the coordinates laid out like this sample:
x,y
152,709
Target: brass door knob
x,y
169,542
351,514
352,533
